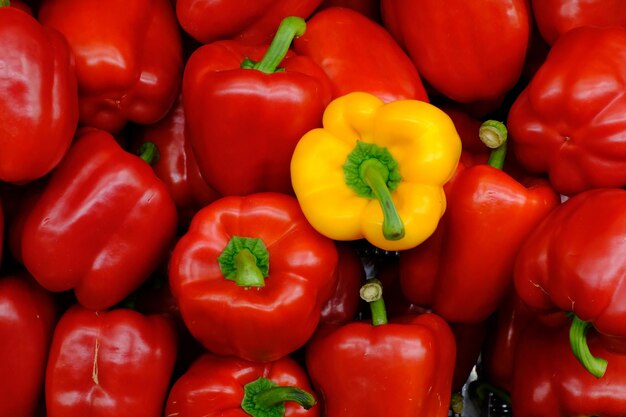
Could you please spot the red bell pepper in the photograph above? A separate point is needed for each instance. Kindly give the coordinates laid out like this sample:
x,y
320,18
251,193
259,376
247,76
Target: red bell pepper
x,y
28,315
465,269
1,232
17,202
25,7
555,17
251,22
566,122
217,386
574,262
468,51
38,97
244,123
251,276
154,297
548,382
128,57
468,127
101,224
343,305
505,328
176,165
401,367
358,54
468,337
104,363
368,8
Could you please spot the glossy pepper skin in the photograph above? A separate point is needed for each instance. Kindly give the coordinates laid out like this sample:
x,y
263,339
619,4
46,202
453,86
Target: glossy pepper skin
x,y
555,17
128,58
215,386
464,270
176,164
251,276
478,57
2,238
566,122
243,123
368,8
505,328
358,54
115,362
573,262
101,224
28,315
251,22
38,97
396,199
402,367
549,382
343,305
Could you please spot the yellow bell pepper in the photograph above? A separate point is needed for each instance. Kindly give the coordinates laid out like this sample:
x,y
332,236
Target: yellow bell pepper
x,y
376,170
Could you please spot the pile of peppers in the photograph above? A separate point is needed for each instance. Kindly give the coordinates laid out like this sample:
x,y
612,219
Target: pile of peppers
x,y
318,208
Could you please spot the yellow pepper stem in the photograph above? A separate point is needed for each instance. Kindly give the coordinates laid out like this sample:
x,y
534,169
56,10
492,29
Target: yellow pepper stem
x,y
374,174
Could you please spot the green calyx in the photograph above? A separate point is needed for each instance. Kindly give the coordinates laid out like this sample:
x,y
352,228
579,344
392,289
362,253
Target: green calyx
x,y
149,152
372,172
5,3
291,27
494,135
246,261
456,403
578,341
264,398
379,158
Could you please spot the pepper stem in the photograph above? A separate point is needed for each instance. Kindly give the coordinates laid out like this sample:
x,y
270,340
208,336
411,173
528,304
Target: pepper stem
x,y
456,403
246,261
149,152
5,3
291,27
372,292
580,348
279,395
494,135
374,175
248,273
263,398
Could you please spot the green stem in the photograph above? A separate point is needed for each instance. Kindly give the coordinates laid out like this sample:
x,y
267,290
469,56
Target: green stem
x,y
580,348
278,395
494,135
245,260
263,398
372,292
291,27
149,152
248,273
247,64
5,3
482,390
374,174
456,403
